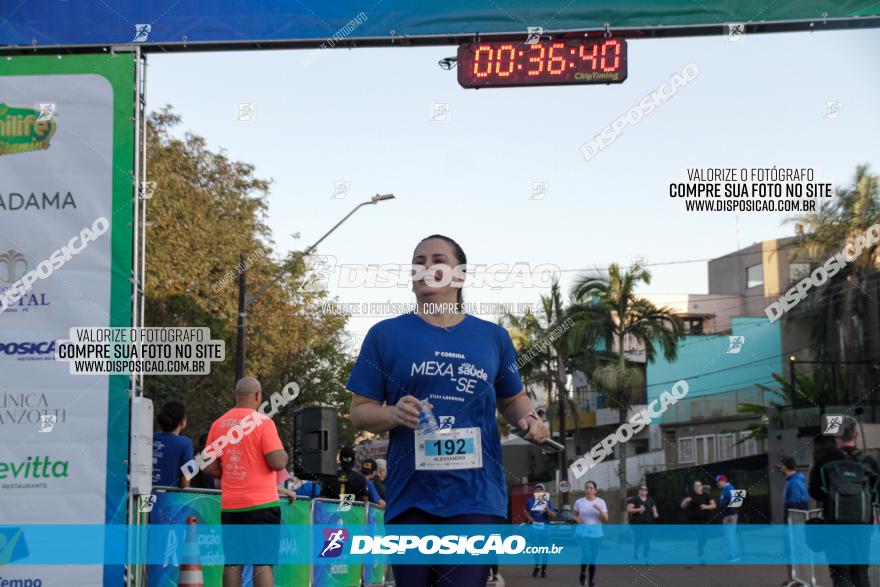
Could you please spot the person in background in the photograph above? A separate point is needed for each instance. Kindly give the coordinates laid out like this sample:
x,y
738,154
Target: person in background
x,y
304,488
539,511
282,477
347,481
699,504
824,486
171,450
642,511
368,470
202,480
248,471
379,479
795,497
590,511
729,516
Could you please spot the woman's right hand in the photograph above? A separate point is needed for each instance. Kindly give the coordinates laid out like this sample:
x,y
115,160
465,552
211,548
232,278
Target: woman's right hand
x,y
406,412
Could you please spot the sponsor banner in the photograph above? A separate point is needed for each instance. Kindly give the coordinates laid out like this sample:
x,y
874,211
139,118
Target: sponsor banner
x,y
191,541
760,544
66,156
374,565
329,23
331,567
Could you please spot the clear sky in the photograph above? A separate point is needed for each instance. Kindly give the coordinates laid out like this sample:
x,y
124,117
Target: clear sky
x,y
364,116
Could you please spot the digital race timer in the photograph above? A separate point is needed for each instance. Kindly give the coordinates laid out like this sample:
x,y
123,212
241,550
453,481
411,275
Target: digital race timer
x,y
507,63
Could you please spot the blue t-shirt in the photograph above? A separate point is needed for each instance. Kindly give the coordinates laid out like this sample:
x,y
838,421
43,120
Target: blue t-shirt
x,y
372,492
170,452
539,511
725,498
309,489
461,371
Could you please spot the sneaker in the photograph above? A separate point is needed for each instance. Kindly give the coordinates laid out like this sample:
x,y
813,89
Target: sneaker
x,y
535,572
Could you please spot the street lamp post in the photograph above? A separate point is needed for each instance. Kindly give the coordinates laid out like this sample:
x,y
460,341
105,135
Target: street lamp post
x,y
244,300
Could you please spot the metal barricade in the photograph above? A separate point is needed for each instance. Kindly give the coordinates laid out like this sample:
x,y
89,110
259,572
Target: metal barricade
x,y
803,574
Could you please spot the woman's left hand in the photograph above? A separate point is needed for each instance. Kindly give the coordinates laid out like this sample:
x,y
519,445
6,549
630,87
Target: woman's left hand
x,y
534,427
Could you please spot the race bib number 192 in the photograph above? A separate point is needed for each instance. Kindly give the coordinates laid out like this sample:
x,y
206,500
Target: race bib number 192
x,y
459,448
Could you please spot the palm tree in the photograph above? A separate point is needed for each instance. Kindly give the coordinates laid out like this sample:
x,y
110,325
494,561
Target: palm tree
x,y
808,388
835,311
614,309
558,340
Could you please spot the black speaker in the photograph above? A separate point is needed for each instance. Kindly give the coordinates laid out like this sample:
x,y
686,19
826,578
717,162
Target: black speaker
x,y
315,439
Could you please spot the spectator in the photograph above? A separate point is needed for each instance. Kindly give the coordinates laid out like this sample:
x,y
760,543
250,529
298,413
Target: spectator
x,y
729,516
862,484
304,488
247,470
699,504
347,481
368,470
379,479
642,511
794,498
171,450
202,480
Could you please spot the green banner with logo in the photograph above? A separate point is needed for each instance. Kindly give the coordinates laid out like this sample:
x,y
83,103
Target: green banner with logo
x,y
67,144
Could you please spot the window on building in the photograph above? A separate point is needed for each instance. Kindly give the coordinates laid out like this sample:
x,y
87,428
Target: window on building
x,y
685,450
748,447
726,446
797,271
705,448
692,325
755,275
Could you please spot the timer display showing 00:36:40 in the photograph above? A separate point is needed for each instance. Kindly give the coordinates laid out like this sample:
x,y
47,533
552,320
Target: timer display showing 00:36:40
x,y
579,61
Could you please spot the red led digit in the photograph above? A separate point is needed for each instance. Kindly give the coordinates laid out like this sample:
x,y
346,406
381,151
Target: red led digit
x,y
488,61
539,59
559,60
591,58
511,53
610,43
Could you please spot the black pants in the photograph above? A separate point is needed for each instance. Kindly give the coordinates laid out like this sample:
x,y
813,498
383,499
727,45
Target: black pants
x,y
590,550
849,575
441,575
641,538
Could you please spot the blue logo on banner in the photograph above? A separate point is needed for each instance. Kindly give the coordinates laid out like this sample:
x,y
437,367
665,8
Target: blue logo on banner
x,y
12,545
334,540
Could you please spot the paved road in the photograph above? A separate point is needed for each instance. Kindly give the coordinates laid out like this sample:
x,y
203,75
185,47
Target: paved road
x,y
652,576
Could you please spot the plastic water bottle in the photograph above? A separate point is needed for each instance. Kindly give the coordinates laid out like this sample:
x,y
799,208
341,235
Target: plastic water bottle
x,y
427,421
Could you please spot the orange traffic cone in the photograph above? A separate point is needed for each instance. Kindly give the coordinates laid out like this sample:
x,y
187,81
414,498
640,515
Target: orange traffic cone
x,y
191,569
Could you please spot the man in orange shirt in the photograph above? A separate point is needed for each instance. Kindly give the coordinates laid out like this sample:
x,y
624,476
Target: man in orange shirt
x,y
248,482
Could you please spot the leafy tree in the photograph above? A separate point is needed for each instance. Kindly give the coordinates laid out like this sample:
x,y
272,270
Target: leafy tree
x,y
208,210
836,311
608,303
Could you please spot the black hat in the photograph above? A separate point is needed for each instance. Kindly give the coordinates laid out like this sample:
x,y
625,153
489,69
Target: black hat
x,y
368,466
346,455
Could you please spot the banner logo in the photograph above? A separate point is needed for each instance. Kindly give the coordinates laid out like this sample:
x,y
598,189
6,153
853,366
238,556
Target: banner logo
x,y
334,540
13,266
23,130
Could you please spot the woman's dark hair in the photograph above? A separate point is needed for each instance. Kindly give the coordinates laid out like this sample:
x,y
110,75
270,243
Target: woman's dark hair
x,y
593,483
171,415
460,257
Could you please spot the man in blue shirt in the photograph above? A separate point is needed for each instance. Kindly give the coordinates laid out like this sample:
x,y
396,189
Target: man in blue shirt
x,y
539,511
368,470
171,450
728,516
795,497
